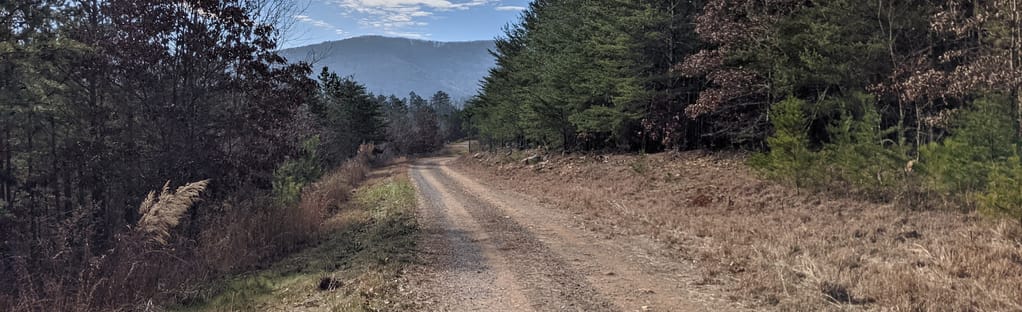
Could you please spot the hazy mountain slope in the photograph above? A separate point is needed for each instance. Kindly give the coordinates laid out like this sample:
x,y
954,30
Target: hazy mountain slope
x,y
399,65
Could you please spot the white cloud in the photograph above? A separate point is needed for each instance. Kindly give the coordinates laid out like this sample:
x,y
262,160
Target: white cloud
x,y
393,17
510,8
320,24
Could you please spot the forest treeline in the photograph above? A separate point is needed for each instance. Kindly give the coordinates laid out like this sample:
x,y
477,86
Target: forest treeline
x,y
103,102
915,101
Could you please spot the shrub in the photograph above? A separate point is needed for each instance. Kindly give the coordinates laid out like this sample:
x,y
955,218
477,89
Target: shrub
x,y
789,158
641,164
141,263
336,186
857,156
294,174
1003,196
981,138
252,229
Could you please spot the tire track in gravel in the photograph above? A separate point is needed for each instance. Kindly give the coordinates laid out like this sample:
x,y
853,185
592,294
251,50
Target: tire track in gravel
x,y
530,258
508,259
461,273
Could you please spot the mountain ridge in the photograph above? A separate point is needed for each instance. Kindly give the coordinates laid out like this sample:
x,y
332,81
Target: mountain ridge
x,y
397,66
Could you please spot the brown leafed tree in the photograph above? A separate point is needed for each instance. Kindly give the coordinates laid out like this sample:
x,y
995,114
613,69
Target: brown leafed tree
x,y
979,49
738,93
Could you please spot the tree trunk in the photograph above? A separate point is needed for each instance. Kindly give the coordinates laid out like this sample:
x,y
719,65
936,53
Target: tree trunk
x,y
8,168
1017,98
1012,59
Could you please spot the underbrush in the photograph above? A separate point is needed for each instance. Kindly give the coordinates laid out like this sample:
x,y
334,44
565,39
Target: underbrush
x,y
162,258
976,167
353,269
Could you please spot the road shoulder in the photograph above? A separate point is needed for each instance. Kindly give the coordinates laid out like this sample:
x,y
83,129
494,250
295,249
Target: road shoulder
x,y
355,268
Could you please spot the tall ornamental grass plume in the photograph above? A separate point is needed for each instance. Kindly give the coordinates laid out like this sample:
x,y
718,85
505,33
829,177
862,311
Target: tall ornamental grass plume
x,y
160,214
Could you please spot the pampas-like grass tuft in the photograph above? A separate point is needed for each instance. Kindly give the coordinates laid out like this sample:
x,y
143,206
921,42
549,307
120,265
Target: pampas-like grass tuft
x,y
160,214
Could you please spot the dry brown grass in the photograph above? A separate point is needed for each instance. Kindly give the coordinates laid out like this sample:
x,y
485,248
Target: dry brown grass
x,y
241,237
128,275
161,214
134,274
339,273
771,247
337,186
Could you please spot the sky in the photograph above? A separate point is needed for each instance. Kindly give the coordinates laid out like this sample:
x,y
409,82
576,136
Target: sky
x,y
316,21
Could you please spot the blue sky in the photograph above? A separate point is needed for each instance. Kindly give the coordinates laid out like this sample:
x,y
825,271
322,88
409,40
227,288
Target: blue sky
x,y
439,20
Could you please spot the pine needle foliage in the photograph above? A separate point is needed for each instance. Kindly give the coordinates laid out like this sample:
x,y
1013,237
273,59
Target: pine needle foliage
x,y
161,214
1003,196
982,136
789,156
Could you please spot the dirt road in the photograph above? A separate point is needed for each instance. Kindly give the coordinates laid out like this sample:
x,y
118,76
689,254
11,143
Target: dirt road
x,y
486,249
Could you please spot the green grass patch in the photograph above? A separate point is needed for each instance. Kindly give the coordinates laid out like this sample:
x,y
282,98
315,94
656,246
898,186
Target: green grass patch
x,y
353,269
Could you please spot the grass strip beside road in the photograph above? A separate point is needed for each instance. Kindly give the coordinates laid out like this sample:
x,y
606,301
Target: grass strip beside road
x,y
355,268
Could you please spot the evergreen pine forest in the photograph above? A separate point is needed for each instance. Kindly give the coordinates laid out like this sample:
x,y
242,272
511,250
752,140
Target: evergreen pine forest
x,y
909,101
187,108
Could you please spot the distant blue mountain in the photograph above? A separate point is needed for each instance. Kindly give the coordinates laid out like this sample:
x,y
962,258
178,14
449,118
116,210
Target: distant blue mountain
x,y
399,65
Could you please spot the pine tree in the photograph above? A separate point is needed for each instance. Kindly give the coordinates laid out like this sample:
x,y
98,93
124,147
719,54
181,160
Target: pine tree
x,y
448,117
349,116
